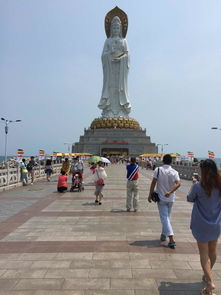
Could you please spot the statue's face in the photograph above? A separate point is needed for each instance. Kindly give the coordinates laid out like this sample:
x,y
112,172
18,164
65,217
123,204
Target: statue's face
x,y
115,30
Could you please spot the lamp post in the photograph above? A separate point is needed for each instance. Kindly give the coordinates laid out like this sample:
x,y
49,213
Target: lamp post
x,y
215,128
162,146
7,122
69,146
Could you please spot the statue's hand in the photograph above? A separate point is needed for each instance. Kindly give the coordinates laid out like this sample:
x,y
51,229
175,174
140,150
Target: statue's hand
x,y
116,59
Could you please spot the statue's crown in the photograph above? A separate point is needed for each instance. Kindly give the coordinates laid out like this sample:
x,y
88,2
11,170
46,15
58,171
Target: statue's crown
x,y
116,20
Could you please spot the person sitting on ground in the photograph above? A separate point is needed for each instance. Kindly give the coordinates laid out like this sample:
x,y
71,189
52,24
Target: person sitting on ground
x,y
62,182
206,218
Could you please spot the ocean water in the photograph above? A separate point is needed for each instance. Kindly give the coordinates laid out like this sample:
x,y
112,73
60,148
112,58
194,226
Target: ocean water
x,y
217,160
2,158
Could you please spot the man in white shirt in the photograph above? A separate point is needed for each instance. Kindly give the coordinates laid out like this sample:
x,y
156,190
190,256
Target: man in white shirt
x,y
78,165
168,181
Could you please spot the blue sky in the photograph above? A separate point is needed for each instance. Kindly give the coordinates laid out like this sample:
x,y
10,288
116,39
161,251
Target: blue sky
x,y
51,72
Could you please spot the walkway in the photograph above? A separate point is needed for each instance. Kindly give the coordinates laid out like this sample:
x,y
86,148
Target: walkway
x,y
64,244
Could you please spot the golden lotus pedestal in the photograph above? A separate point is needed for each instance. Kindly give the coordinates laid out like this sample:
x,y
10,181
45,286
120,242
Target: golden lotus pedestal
x,y
115,136
121,123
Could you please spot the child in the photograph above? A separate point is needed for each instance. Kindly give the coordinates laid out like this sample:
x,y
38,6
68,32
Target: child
x,y
24,172
48,169
62,182
93,167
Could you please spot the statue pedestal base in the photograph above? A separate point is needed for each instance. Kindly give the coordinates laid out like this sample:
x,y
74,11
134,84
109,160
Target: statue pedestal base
x,y
114,141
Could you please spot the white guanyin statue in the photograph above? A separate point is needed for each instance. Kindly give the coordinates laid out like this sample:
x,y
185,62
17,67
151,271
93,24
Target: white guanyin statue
x,y
114,100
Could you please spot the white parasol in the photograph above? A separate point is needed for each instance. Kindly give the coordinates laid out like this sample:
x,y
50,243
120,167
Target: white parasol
x,y
105,160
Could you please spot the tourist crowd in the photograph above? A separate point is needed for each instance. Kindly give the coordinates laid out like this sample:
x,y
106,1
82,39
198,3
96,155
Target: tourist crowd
x,y
205,193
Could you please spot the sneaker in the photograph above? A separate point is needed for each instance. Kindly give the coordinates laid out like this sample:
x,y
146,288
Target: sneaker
x,y
100,203
96,201
128,210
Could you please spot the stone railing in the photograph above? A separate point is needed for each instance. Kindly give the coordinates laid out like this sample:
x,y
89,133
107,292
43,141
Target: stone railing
x,y
186,172
12,176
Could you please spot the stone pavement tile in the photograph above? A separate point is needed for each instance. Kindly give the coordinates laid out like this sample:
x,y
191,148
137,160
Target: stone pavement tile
x,y
217,266
153,256
165,264
36,284
183,257
10,256
81,264
156,292
133,284
81,284
16,292
109,255
120,264
111,237
67,273
150,292
192,274
218,286
153,273
2,271
24,273
14,264
71,256
37,256
109,292
144,263
66,237
57,292
217,273
101,264
110,273
7,284
51,264
197,266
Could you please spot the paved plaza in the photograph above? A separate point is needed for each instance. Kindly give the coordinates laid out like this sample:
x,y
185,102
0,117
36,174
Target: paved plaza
x,y
64,244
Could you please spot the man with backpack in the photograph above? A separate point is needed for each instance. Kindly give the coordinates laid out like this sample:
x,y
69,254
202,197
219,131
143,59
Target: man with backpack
x,y
167,181
132,185
31,169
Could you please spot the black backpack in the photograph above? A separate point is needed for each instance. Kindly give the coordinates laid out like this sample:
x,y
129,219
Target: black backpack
x,y
30,166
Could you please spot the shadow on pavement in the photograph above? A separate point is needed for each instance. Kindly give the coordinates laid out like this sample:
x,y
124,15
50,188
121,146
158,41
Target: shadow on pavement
x,y
170,288
147,243
89,184
118,211
89,204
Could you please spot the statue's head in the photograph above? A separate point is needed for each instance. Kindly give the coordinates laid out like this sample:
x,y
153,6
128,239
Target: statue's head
x,y
116,29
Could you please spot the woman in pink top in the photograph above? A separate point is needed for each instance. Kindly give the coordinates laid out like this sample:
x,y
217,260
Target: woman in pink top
x,y
62,182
